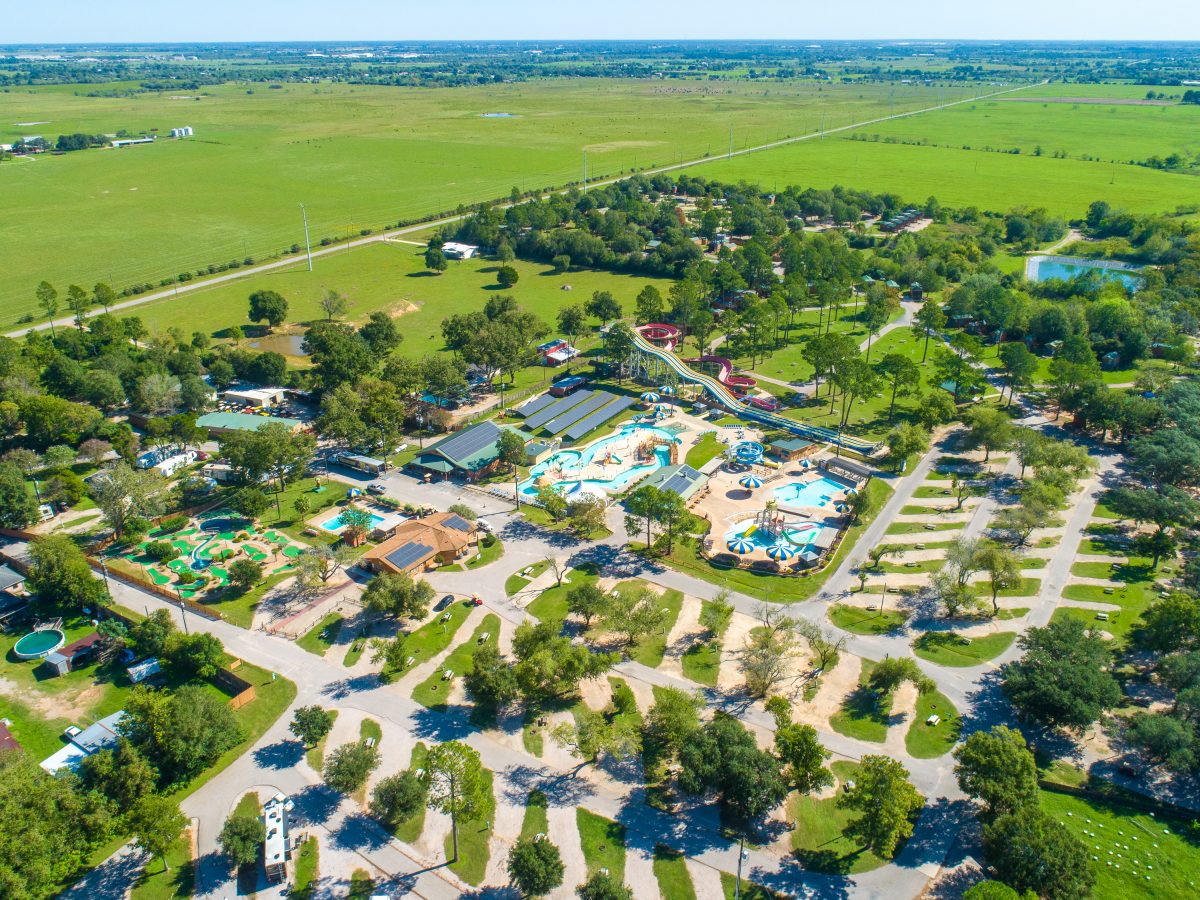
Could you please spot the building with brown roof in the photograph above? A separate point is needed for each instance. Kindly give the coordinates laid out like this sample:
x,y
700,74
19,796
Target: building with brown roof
x,y
422,544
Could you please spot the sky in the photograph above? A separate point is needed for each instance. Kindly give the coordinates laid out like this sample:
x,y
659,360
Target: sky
x,y
97,21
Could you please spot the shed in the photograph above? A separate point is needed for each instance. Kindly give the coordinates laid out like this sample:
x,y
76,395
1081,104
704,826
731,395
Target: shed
x,y
139,672
11,581
66,658
789,449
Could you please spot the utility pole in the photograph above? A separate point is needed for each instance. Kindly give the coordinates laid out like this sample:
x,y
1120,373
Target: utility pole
x,y
585,168
730,154
737,885
307,244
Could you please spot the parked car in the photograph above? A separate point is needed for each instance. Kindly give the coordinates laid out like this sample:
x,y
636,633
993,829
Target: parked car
x,y
443,603
377,489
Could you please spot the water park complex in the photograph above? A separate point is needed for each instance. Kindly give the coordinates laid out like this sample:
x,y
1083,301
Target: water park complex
x,y
775,504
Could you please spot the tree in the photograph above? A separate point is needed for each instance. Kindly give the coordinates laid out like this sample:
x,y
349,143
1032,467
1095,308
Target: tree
x,y
398,594
595,734
47,298
511,450
120,774
648,305
1020,366
348,767
997,769
197,655
717,613
454,776
507,276
535,866
149,636
603,886
435,260
1156,545
586,515
825,646
994,890
398,798
333,304
18,505
181,734
126,496
672,720
894,670
724,757
1030,851
886,801
1002,567
763,661
1171,622
1063,679
242,838
561,263
634,612
930,320
60,575
551,499
269,306
1164,739
310,724
572,320
988,428
157,823
250,502
906,440
803,757
587,600
603,306
245,573
901,374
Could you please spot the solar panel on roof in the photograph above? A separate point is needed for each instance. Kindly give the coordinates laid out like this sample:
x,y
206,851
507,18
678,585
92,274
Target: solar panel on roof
x,y
573,415
458,523
583,426
408,554
469,441
534,405
557,408
677,484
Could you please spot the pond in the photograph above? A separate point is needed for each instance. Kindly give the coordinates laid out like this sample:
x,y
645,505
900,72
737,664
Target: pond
x,y
287,344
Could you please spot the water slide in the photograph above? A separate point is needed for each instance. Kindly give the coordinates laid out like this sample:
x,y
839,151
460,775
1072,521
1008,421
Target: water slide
x,y
726,398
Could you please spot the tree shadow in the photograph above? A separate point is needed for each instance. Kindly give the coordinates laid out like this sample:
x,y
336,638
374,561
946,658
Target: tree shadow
x,y
561,789
343,688
315,804
112,877
452,725
360,833
280,755
928,843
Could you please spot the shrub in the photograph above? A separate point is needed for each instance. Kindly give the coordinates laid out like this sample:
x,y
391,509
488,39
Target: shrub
x,y
187,577
173,523
162,551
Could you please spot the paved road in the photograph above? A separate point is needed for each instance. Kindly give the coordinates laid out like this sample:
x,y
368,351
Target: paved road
x,y
393,234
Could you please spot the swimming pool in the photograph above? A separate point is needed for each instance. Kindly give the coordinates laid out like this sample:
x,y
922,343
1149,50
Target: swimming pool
x,y
801,534
336,522
810,493
1043,268
563,464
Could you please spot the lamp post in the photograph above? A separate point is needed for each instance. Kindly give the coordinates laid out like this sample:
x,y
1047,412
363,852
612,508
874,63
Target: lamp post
x,y
737,885
182,611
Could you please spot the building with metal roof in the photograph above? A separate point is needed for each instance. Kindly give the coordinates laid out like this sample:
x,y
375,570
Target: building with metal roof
x,y
847,468
788,449
420,544
97,736
470,453
680,479
221,422
11,580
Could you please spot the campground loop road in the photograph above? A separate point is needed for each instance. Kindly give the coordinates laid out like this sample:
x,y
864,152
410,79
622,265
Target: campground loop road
x,y
391,235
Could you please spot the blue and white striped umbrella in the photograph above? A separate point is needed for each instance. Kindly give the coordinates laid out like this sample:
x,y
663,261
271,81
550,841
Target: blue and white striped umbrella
x,y
750,481
666,390
649,397
740,545
781,551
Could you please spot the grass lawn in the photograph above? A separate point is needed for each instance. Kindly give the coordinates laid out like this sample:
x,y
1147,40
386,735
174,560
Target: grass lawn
x,y
536,820
532,737
819,837
703,450
701,662
487,554
516,582
284,516
316,754
1162,862
949,649
1026,587
776,588
1131,600
670,870
866,621
603,843
864,715
474,837
357,647
918,527
410,829
928,741
901,568
323,635
1133,570
650,649
914,509
176,881
435,636
237,606
749,890
433,691
362,885
551,604
306,869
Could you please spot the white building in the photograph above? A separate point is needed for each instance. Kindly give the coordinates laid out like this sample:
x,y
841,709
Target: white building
x,y
172,464
453,250
263,397
185,131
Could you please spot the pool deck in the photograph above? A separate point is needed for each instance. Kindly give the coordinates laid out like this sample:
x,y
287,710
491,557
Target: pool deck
x,y
389,518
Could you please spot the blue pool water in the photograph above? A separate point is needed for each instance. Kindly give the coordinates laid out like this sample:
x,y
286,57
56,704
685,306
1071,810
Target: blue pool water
x,y
1043,268
812,493
572,462
801,534
335,524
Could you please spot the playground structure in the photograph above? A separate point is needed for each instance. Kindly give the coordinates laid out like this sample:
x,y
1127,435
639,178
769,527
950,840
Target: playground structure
x,y
607,466
652,359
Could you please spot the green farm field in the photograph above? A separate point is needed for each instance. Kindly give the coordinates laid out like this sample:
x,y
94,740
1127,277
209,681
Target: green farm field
x,y
358,157
960,177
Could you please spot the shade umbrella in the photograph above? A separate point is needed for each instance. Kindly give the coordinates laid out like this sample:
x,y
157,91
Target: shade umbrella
x,y
750,481
781,551
740,545
666,390
649,397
